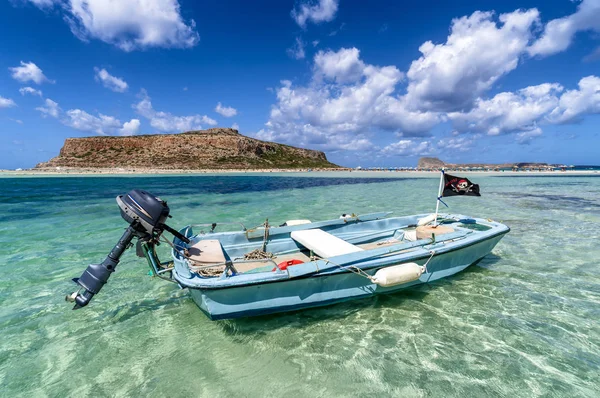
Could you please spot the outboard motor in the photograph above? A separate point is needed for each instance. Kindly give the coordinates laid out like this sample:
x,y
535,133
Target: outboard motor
x,y
146,215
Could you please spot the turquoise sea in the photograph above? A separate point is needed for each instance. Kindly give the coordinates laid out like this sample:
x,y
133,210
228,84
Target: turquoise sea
x,y
523,322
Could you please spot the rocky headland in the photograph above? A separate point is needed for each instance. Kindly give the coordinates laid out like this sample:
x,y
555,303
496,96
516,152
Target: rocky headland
x,y
216,149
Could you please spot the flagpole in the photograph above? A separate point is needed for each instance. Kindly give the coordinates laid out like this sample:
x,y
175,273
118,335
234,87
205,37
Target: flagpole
x,y
437,202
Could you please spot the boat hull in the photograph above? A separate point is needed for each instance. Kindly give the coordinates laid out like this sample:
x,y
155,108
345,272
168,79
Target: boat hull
x,y
325,289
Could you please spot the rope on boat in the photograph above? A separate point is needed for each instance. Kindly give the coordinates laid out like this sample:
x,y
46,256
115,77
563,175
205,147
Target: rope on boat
x,y
359,271
210,272
202,270
185,254
386,242
258,254
425,265
262,253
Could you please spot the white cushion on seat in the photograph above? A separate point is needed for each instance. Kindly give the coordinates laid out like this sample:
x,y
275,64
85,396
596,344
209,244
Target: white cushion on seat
x,y
323,244
290,223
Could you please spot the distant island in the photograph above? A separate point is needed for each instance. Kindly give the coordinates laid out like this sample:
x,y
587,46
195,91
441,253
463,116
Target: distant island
x,y
216,149
428,163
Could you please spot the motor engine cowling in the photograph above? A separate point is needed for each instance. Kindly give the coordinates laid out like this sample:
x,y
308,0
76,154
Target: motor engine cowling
x,y
145,209
146,215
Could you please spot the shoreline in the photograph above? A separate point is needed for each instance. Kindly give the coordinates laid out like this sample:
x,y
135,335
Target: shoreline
x,y
343,171
151,171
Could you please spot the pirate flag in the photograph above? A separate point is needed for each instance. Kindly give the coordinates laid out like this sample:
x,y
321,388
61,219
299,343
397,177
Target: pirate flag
x,y
459,186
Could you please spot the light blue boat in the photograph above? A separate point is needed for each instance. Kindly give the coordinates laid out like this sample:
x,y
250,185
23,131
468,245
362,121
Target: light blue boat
x,y
300,264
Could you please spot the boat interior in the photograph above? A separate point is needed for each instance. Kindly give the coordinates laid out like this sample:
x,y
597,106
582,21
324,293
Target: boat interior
x,y
273,249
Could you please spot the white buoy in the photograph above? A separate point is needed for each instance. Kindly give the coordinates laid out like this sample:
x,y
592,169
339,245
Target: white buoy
x,y
398,274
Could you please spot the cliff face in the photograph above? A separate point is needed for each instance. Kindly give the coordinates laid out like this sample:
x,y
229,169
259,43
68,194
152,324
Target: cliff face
x,y
217,148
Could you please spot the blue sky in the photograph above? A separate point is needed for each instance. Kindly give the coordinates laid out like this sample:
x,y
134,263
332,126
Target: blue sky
x,y
370,83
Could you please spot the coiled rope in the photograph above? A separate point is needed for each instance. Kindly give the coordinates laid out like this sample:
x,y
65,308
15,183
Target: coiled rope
x,y
262,253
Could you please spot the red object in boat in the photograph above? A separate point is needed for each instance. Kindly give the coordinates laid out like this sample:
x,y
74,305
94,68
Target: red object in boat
x,y
283,265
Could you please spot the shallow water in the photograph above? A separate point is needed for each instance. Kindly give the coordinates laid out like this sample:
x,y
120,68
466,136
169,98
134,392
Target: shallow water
x,y
525,321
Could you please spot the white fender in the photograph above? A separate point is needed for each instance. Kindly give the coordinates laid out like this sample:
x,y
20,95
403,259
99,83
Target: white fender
x,y
426,220
398,274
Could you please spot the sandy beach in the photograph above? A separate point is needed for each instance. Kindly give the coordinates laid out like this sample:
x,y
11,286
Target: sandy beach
x,y
64,171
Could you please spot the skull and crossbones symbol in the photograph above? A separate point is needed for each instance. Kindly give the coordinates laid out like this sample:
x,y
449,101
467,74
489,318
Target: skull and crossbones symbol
x,y
462,187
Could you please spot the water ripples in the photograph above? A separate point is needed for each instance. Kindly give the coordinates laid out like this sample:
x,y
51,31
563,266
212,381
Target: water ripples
x,y
522,322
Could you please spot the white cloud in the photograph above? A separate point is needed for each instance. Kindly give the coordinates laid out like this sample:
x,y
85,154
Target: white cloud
x,y
235,126
296,51
43,4
6,102
509,112
309,136
101,124
30,90
526,137
109,81
522,112
315,43
343,66
450,76
226,111
408,148
316,12
130,128
459,144
558,33
129,25
50,108
574,104
28,71
346,101
83,121
167,122
208,120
